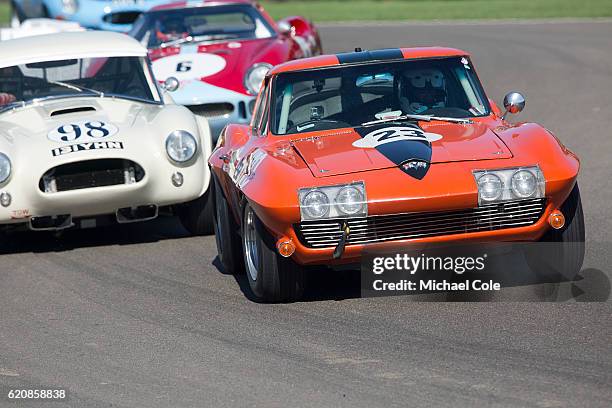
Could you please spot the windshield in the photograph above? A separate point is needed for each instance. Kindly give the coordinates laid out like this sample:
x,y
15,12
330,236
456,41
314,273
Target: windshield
x,y
349,96
128,77
209,23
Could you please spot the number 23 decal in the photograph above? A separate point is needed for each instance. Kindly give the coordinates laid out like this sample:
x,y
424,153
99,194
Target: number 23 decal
x,y
82,131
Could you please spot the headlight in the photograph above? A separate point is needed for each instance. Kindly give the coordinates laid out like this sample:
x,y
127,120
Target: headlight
x,y
509,184
70,6
315,204
524,183
181,146
5,168
490,186
255,76
348,200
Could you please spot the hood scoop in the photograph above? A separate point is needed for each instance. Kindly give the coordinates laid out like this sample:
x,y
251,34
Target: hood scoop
x,y
67,111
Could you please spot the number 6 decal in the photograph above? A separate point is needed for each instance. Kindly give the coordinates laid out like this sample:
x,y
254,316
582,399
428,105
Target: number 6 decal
x,y
83,131
184,66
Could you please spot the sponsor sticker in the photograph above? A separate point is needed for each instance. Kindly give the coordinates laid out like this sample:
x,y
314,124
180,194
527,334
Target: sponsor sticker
x,y
20,214
79,147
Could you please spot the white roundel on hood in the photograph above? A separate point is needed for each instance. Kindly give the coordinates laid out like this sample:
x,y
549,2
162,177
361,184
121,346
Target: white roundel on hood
x,y
82,131
393,134
186,67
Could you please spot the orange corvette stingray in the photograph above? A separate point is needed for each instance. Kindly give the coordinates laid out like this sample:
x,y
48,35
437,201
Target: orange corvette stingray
x,y
376,148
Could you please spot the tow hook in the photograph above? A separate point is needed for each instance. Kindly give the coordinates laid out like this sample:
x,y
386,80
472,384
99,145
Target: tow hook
x,y
346,232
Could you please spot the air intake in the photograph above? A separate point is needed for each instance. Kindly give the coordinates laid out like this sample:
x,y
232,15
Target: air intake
x,y
327,233
90,174
72,110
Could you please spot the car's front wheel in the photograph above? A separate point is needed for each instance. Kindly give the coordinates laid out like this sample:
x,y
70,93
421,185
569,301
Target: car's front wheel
x,y
229,250
197,215
272,278
560,252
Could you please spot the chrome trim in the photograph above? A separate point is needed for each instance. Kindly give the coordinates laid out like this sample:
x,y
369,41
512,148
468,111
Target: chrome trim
x,y
65,225
124,220
251,244
382,228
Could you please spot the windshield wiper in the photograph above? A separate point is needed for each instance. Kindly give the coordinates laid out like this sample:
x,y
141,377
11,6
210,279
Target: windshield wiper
x,y
200,38
77,88
425,118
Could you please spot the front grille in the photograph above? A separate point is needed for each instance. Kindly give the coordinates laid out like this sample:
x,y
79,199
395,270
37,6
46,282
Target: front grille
x,y
90,174
327,233
211,110
122,17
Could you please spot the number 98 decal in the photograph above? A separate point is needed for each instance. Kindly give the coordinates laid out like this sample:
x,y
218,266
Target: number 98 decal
x,y
82,131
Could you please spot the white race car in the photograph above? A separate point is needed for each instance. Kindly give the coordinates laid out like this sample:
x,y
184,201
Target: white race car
x,y
88,138
38,26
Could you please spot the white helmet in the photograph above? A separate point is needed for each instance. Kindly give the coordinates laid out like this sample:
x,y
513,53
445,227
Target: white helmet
x,y
421,89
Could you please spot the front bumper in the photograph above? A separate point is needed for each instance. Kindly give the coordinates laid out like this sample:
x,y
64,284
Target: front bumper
x,y
449,187
306,254
155,188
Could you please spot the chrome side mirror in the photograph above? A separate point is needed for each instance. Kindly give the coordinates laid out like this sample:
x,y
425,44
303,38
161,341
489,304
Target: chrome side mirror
x,y
284,27
514,102
171,84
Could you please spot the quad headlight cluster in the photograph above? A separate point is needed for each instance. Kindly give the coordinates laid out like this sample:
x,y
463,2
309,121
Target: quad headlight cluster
x,y
181,146
509,184
342,201
5,168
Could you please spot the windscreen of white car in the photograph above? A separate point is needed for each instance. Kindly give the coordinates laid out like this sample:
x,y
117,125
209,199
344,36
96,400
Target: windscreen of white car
x,y
352,95
122,77
167,27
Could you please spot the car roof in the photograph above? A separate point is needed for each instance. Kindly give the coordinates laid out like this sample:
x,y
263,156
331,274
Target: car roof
x,y
201,3
362,57
60,46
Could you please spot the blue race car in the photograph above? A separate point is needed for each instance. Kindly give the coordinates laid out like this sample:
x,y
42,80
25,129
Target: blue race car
x,y
113,15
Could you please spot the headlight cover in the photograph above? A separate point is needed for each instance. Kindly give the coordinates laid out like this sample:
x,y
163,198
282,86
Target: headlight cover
x,y
5,168
254,77
70,6
341,201
181,146
511,184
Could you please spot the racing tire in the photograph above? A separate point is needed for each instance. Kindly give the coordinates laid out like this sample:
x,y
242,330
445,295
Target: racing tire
x,y
272,278
564,255
16,18
229,248
197,215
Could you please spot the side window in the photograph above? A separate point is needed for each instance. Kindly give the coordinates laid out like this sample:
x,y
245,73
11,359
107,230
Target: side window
x,y
260,117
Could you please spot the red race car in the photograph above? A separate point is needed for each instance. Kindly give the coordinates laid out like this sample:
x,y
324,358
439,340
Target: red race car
x,y
378,149
219,52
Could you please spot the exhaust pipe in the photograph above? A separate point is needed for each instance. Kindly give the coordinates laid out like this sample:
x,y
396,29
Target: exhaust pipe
x,y
51,223
136,214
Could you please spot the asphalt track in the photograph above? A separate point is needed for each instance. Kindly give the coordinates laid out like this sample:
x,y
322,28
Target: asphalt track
x,y
141,316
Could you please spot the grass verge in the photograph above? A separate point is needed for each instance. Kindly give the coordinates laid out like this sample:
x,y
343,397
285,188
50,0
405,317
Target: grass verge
x,y
367,10
396,10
